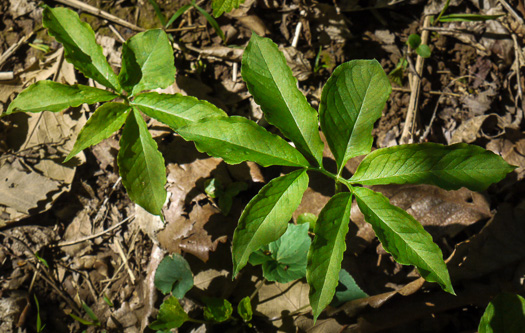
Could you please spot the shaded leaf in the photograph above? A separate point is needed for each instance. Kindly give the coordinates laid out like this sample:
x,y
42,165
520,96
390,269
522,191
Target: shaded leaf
x,y
352,100
52,96
414,40
449,167
106,120
266,216
221,6
237,139
284,260
403,237
217,309
326,253
244,309
80,46
505,313
147,62
174,275
141,165
270,81
347,289
171,315
176,110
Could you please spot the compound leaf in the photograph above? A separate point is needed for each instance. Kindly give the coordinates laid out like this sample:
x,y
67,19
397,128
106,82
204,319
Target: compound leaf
x,y
171,315
449,167
174,275
80,46
326,253
284,260
403,237
106,120
353,99
141,165
176,110
266,216
270,81
222,6
237,139
505,313
52,96
147,62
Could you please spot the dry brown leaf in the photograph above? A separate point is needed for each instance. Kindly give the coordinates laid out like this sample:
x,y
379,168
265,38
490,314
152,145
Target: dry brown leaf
x,y
513,153
441,212
277,299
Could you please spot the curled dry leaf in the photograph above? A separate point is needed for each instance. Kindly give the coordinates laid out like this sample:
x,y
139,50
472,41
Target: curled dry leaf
x,y
441,212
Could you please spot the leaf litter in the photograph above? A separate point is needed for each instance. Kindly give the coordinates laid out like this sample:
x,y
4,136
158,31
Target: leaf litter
x,y
480,232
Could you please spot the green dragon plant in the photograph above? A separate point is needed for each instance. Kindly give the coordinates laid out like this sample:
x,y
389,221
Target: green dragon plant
x,y
352,100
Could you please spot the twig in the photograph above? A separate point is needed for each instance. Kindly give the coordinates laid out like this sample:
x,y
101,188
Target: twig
x,y
4,76
408,131
298,28
76,241
100,13
432,92
511,11
115,31
125,260
12,49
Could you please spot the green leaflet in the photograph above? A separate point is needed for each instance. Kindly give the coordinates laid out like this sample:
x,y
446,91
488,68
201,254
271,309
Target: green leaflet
x,y
53,96
147,62
270,81
326,253
173,275
352,100
176,110
266,216
106,120
237,139
505,313
221,6
171,315
80,46
403,237
449,167
141,165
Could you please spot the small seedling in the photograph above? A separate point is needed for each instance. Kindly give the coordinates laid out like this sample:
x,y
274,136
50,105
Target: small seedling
x,y
39,326
94,319
147,63
352,100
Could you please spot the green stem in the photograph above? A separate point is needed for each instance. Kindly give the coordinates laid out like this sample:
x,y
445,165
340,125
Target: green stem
x,y
338,179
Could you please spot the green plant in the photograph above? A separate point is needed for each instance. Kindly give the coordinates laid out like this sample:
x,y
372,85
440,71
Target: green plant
x,y
505,313
94,319
352,100
182,10
147,63
39,326
174,277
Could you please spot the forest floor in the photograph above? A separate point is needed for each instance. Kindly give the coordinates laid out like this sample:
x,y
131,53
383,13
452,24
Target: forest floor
x,y
70,236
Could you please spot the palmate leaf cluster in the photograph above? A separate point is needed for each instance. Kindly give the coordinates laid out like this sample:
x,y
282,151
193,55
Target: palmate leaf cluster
x,y
147,63
352,100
